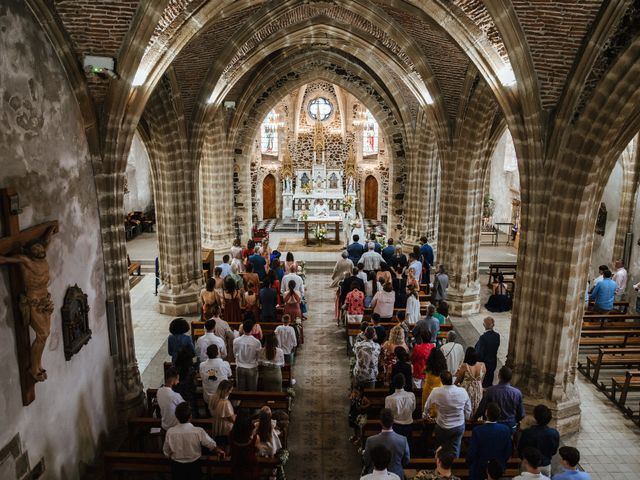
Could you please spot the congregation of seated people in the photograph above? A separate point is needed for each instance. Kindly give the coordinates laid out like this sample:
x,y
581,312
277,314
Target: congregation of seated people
x,y
432,398
251,292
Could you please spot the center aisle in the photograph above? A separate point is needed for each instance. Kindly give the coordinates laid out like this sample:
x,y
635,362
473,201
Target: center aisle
x,y
319,435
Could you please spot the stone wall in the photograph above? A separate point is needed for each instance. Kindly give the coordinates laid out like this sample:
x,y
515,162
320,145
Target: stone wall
x,y
140,196
602,253
504,185
46,158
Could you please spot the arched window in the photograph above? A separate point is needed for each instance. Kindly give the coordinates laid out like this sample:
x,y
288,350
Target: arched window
x,y
320,107
269,134
370,135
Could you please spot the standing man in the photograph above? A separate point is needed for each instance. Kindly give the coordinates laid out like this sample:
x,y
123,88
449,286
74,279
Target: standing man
x,y
292,275
426,257
453,352
388,252
246,349
210,338
371,259
183,445
225,266
355,250
508,398
376,245
454,409
620,277
416,265
387,438
259,263
491,440
440,285
168,399
487,350
603,295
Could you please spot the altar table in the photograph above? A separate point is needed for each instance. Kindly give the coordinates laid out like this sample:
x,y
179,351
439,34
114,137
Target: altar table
x,y
322,221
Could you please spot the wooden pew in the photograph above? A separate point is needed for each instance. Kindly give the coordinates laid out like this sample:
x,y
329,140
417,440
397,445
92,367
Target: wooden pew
x,y
608,358
133,267
372,427
630,382
151,464
609,338
352,330
610,325
241,399
508,270
460,468
620,307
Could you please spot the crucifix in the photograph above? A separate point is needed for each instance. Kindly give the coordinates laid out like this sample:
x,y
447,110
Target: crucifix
x,y
25,253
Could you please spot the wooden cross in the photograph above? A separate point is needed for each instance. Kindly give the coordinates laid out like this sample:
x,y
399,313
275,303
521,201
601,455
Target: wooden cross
x,y
11,243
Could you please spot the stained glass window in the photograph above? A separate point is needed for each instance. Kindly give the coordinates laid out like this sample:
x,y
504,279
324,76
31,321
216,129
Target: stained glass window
x,y
320,106
269,134
370,135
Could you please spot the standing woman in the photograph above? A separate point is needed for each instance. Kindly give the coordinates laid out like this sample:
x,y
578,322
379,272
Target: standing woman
x,y
383,302
412,280
400,261
270,363
244,448
371,288
265,250
248,251
413,306
292,301
231,298
388,352
436,364
269,440
289,262
274,282
469,376
236,250
179,339
209,298
222,413
250,302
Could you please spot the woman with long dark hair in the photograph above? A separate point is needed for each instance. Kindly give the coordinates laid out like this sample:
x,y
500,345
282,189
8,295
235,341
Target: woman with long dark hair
x,y
292,301
244,448
436,364
179,338
231,298
270,363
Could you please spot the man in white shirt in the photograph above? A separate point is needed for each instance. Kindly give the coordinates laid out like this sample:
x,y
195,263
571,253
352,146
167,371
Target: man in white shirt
x,y
362,275
287,340
212,372
402,404
225,266
210,338
531,459
453,352
292,275
416,265
371,259
620,277
246,349
168,400
183,445
380,457
320,209
454,409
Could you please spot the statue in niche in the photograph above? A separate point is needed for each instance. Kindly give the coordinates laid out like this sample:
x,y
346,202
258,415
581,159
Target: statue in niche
x,y
287,184
304,180
351,185
333,181
75,321
319,182
601,222
36,305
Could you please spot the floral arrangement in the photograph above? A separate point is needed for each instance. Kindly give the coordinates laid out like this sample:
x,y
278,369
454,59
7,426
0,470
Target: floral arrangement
x,y
321,233
302,270
348,202
304,214
361,420
355,223
291,392
283,457
307,188
382,240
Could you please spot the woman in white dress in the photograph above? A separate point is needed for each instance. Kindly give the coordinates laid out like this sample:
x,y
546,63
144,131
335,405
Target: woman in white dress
x,y
413,306
359,229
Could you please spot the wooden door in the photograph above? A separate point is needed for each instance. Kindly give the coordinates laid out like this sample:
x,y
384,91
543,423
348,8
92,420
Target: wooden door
x,y
269,197
371,198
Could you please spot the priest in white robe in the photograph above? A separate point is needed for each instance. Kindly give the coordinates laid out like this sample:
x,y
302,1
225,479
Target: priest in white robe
x,y
320,209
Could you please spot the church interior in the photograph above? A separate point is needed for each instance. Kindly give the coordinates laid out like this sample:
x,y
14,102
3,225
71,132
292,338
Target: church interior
x,y
152,150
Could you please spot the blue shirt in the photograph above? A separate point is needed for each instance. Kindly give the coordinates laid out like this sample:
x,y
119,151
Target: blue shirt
x,y
176,343
355,251
604,293
572,475
226,269
387,254
426,252
258,263
508,398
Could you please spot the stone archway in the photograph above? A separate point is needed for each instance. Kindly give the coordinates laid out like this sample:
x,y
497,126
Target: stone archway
x,y
371,197
269,197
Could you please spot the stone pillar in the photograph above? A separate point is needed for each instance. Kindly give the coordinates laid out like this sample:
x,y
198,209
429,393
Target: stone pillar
x,y
110,188
463,167
421,204
630,179
175,192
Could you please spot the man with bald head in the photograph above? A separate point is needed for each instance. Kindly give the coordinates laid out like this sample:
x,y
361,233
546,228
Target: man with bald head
x,y
487,350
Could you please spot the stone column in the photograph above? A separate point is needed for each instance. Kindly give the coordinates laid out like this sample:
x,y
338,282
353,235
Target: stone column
x,y
463,167
110,190
175,191
630,179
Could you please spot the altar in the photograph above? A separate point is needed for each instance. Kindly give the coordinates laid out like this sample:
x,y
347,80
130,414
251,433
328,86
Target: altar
x,y
337,220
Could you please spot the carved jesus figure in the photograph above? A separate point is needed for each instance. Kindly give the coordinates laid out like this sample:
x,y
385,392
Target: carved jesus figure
x,y
35,303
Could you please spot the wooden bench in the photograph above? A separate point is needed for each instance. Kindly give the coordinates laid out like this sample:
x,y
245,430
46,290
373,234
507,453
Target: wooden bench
x,y
133,267
152,464
460,468
353,329
372,427
506,269
609,338
610,325
287,375
630,382
610,357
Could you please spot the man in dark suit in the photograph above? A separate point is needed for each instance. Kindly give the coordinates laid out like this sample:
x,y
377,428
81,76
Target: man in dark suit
x,y
355,250
487,350
395,443
488,441
348,284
